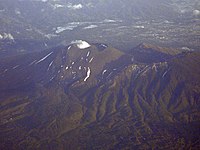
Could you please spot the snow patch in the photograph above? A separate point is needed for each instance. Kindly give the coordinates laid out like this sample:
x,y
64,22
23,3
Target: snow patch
x,y
88,74
88,54
105,46
81,44
164,74
32,62
69,47
5,70
104,72
91,59
52,78
154,67
50,65
145,70
44,58
15,66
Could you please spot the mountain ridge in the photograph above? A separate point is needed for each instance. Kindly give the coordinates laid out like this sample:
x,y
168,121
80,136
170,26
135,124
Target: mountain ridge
x,y
124,104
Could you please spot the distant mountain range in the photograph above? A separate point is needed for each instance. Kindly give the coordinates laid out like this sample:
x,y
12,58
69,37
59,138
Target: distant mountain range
x,y
93,96
37,24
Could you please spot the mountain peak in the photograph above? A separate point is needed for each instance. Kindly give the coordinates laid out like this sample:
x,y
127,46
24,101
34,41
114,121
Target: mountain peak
x,y
81,44
145,45
73,93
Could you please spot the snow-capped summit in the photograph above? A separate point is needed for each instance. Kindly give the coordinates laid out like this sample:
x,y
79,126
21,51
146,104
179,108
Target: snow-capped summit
x,y
81,44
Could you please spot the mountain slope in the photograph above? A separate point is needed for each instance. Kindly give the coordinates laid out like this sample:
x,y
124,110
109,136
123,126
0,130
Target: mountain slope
x,y
99,98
